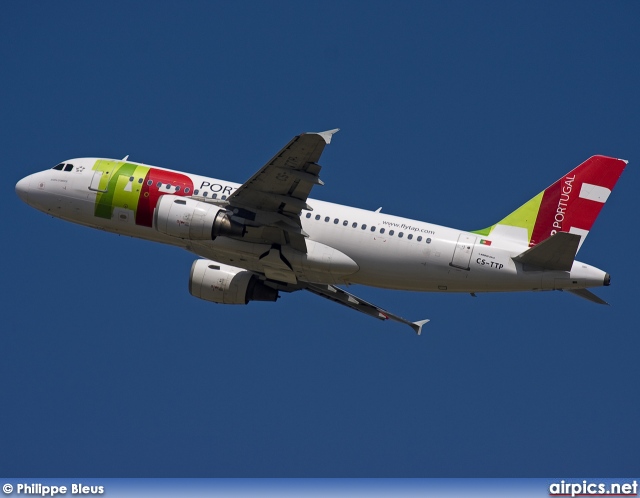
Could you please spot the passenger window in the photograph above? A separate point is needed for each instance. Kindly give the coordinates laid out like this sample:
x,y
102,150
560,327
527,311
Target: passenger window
x,y
213,196
168,186
205,194
345,223
382,230
428,241
373,229
159,184
131,178
400,235
140,180
364,227
335,222
59,167
419,239
317,216
308,215
149,182
186,190
177,188
196,192
68,167
410,236
326,219
390,232
224,197
355,225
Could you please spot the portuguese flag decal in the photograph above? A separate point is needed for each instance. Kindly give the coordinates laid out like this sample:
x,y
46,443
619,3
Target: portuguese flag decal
x,y
485,242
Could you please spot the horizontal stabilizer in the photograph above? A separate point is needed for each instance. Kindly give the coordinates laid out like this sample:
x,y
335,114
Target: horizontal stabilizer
x,y
340,296
588,295
555,253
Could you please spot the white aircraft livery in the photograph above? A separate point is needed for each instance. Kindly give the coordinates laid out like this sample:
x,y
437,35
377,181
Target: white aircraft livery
x,y
266,236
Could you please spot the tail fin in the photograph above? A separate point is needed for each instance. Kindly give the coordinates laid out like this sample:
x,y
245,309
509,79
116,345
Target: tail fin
x,y
571,204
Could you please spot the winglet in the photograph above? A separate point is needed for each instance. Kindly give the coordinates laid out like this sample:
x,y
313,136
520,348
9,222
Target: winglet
x,y
326,135
417,326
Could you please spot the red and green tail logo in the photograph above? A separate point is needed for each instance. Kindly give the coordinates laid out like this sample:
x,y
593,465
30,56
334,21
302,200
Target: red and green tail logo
x,y
571,204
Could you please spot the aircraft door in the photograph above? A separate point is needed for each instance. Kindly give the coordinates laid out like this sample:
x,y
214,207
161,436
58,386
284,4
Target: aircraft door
x,y
102,176
463,251
95,182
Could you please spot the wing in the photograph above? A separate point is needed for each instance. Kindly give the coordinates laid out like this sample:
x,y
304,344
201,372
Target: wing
x,y
340,296
268,206
270,202
283,184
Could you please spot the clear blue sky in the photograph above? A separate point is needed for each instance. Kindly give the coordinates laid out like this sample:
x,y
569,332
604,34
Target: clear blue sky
x,y
450,112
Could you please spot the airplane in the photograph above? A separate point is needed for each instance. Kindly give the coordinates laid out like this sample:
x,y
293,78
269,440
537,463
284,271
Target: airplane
x,y
266,236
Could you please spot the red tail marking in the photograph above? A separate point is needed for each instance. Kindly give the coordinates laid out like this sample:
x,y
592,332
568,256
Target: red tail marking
x,y
563,208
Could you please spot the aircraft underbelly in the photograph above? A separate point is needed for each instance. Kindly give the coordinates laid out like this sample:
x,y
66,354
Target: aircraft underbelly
x,y
321,263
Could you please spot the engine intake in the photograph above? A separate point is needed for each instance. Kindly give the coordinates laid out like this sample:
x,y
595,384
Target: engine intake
x,y
225,284
194,220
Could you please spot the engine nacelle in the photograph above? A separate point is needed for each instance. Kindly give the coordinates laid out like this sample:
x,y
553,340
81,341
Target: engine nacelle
x,y
224,284
187,218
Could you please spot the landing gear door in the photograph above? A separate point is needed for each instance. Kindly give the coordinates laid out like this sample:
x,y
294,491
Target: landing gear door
x,y
463,251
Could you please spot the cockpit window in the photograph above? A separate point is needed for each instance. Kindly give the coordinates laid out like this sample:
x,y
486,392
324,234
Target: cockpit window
x,y
68,167
59,167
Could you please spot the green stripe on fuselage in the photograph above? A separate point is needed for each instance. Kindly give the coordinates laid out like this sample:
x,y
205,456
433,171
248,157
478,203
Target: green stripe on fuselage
x,y
121,191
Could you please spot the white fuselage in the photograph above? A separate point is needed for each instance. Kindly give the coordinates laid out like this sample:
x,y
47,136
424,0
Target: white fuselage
x,y
390,251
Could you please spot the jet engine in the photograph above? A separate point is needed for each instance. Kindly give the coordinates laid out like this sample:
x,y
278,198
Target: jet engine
x,y
224,284
194,220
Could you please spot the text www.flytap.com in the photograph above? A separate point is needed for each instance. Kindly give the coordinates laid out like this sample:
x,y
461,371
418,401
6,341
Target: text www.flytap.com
x,y
586,488
402,226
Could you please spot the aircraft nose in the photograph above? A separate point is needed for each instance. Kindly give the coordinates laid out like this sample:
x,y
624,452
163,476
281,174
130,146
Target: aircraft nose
x,y
22,188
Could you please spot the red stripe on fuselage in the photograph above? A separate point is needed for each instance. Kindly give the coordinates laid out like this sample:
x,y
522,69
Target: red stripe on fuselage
x,y
150,194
